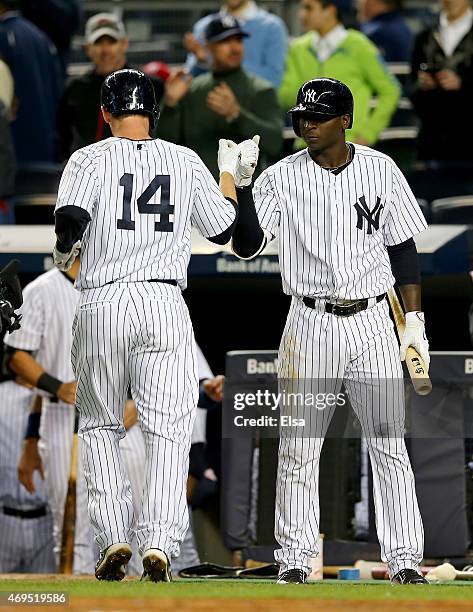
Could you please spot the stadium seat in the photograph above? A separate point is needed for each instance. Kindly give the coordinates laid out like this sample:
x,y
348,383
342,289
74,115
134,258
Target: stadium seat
x,y
399,143
453,210
35,209
435,183
35,179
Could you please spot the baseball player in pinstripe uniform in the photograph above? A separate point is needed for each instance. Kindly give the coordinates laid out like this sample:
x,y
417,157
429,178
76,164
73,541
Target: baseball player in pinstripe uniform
x,y
40,353
25,518
129,203
132,449
345,217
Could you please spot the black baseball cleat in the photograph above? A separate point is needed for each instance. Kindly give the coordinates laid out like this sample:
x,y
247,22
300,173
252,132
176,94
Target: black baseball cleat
x,y
112,562
156,566
409,576
292,576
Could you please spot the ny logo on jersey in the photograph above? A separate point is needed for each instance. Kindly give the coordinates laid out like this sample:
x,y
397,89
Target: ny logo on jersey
x,y
371,216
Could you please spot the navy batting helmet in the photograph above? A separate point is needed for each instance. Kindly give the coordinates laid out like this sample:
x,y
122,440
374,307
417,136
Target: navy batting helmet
x,y
128,92
323,96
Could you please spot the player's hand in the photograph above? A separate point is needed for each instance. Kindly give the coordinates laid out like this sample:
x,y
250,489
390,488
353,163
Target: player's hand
x,y
64,261
228,152
222,100
449,80
426,80
30,462
67,392
176,87
194,46
247,161
414,335
130,414
213,387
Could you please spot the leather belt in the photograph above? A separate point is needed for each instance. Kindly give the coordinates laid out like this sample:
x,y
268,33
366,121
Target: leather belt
x,y
25,514
342,310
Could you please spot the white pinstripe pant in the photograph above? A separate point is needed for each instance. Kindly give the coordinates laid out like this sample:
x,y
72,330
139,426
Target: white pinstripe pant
x,y
360,350
132,448
138,334
27,545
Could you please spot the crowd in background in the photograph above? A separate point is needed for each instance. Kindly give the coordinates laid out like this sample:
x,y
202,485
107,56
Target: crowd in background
x,y
242,73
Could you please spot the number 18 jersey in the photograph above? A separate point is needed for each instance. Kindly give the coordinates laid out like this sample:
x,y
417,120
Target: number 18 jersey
x,y
138,200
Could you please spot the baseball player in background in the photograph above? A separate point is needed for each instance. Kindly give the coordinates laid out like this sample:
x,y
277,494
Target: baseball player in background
x,y
40,353
345,217
128,203
26,526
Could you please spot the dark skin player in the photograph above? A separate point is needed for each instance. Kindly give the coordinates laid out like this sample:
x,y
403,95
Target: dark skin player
x,y
325,139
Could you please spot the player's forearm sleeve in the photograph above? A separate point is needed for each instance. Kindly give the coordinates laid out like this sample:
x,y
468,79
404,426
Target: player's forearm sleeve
x,y
70,224
405,263
225,236
247,235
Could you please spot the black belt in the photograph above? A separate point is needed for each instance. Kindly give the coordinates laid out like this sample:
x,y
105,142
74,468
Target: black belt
x,y
342,310
168,281
25,514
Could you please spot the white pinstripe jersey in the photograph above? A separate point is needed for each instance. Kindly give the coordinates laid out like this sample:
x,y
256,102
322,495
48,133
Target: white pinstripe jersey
x,y
49,304
15,403
142,197
334,227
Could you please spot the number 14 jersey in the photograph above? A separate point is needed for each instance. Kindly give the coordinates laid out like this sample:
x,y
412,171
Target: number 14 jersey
x,y
133,203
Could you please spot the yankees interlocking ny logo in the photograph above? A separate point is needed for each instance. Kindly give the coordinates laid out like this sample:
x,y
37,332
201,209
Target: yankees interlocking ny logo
x,y
310,96
371,216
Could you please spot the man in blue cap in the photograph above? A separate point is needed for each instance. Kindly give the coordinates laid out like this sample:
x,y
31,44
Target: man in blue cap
x,y
227,102
265,48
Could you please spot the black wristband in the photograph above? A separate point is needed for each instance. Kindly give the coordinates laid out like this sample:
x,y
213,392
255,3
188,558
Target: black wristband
x,y
48,383
32,427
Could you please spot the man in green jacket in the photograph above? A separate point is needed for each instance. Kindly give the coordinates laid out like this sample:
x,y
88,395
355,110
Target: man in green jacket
x,y
329,49
225,103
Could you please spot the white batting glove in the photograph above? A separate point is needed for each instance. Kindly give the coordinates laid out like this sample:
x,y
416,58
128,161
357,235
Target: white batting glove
x,y
64,261
414,335
247,161
227,156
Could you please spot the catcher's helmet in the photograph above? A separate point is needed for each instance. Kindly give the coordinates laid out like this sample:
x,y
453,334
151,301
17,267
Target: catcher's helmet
x,y
130,92
323,96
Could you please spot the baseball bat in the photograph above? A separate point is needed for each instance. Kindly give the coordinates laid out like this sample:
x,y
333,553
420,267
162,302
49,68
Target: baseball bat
x,y
66,557
446,572
415,364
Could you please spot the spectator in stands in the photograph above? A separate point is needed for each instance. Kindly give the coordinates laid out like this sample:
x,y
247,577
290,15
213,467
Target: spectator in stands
x,y
59,19
329,49
227,102
80,121
7,152
33,61
382,22
442,68
265,47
